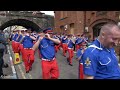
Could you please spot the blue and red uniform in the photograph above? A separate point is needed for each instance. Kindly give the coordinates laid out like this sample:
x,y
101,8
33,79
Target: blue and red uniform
x,y
21,48
15,43
49,63
100,62
50,68
12,38
28,52
78,42
64,45
79,54
70,50
57,46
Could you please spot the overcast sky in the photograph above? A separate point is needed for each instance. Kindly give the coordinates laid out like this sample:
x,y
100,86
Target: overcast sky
x,y
48,12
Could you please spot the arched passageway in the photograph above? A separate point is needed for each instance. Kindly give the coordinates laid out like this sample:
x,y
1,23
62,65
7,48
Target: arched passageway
x,y
21,22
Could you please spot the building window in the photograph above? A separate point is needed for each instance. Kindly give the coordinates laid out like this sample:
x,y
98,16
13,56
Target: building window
x,y
62,28
72,25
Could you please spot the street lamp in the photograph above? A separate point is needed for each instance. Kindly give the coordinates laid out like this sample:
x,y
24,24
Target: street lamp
x,y
65,27
86,29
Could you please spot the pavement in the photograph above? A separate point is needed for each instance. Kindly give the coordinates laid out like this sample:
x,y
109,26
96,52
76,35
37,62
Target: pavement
x,y
10,70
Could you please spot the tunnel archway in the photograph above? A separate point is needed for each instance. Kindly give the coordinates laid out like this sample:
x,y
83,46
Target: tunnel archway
x,y
21,22
96,29
96,26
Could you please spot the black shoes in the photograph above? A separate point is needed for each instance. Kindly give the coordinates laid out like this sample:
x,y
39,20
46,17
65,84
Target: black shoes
x,y
64,55
27,71
70,64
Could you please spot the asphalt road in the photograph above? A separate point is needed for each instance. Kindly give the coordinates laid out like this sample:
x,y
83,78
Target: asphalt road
x,y
66,71
18,71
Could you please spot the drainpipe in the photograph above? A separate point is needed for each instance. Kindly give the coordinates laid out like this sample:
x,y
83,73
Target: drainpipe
x,y
84,21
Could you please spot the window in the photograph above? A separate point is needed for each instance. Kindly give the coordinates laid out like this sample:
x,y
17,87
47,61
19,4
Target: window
x,y
72,25
62,28
72,28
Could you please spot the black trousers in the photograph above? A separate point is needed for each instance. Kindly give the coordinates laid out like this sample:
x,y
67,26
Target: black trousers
x,y
1,61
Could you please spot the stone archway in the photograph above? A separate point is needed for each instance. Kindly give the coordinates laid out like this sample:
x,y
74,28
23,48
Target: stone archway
x,y
21,22
96,26
96,29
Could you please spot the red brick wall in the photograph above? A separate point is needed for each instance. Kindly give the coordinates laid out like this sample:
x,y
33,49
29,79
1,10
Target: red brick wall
x,y
77,17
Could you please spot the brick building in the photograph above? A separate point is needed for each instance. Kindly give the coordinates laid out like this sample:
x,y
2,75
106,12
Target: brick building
x,y
74,22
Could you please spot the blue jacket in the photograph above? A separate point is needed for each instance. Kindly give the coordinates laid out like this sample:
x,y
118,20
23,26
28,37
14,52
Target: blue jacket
x,y
78,41
20,37
70,44
47,49
79,52
64,40
15,37
100,62
27,42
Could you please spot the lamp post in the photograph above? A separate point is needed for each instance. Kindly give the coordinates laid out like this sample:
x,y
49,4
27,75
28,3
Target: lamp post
x,y
86,29
65,27
84,21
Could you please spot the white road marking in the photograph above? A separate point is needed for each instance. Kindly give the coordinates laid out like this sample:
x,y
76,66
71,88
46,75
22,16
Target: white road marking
x,y
11,62
22,73
29,75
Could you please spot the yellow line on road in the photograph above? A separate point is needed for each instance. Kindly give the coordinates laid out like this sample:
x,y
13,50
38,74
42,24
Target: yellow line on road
x,y
23,75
